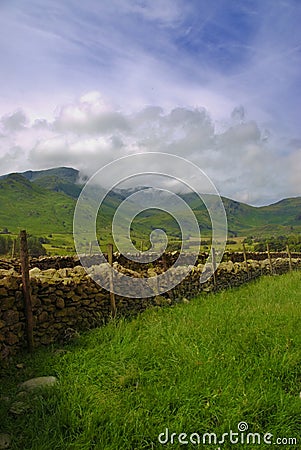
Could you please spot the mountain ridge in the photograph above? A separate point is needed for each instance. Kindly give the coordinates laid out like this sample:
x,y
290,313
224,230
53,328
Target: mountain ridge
x,y
71,175
44,201
67,173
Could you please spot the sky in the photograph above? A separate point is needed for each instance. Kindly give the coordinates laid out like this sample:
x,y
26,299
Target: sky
x,y
216,82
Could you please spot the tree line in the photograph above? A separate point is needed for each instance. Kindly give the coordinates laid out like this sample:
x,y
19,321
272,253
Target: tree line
x,y
276,243
35,247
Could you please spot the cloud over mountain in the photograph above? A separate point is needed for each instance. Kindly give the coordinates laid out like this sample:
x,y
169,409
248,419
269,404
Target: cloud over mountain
x,y
89,133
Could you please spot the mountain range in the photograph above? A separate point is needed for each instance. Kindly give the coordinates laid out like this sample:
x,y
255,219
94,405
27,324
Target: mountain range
x,y
43,202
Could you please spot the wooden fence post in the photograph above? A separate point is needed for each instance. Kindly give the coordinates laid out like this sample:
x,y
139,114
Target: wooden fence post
x,y
26,288
13,252
112,294
213,265
245,258
90,249
289,258
270,259
164,262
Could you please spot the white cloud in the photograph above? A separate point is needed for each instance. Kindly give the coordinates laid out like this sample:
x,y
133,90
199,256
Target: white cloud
x,y
239,135
13,122
91,115
243,160
294,172
12,160
238,113
167,12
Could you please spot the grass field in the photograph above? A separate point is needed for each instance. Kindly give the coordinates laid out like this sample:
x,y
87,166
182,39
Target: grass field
x,y
201,367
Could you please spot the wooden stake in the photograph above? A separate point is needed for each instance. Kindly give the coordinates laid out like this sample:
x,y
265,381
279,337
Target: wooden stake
x,y
112,294
213,265
13,249
164,262
270,259
90,248
289,258
26,288
246,261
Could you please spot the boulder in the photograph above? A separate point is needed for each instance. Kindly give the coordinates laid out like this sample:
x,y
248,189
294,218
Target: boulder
x,y
39,382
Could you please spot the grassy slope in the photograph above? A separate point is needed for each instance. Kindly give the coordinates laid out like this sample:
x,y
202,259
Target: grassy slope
x,y
46,205
23,204
67,174
202,367
55,183
245,219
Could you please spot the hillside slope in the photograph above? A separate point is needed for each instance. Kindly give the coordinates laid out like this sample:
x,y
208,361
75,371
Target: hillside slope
x,y
24,204
43,202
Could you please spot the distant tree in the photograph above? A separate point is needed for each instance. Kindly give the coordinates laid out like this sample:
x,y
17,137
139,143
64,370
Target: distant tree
x,y
35,248
231,242
43,240
5,245
260,247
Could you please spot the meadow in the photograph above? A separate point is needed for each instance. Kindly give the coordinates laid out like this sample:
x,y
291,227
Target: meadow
x,y
200,367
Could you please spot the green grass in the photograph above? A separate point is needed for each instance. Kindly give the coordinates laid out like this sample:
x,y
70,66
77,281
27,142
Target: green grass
x,y
60,244
25,205
198,367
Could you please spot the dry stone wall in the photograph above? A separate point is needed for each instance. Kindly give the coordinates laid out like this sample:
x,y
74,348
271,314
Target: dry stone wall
x,y
66,300
167,260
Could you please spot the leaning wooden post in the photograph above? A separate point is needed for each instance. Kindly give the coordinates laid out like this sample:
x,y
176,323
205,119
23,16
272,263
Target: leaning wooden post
x,y
245,258
13,252
269,257
90,249
213,265
289,258
26,288
112,294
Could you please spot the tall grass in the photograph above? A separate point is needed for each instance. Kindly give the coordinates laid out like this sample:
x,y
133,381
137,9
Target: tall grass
x,y
200,367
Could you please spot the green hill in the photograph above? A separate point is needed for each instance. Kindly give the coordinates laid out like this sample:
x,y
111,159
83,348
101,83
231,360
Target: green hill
x,y
59,179
43,202
67,174
24,204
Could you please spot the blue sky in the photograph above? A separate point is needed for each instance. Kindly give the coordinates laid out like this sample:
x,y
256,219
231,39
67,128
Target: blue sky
x,y
217,82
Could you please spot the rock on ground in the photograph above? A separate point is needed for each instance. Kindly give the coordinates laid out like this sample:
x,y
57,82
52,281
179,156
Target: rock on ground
x,y
39,382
